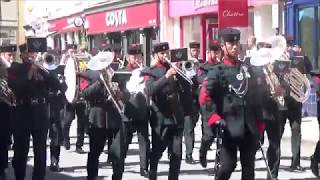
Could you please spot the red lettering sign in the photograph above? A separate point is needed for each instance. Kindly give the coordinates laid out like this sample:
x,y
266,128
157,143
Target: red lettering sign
x,y
233,13
134,17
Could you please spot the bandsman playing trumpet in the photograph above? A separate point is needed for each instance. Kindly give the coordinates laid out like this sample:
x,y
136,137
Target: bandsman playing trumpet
x,y
166,112
31,84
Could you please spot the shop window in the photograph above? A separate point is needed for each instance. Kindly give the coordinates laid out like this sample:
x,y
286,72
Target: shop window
x,y
191,30
306,30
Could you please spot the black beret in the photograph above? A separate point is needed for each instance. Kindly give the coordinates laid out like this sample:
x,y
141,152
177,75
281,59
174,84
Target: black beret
x,y
9,48
23,48
230,35
135,49
163,46
215,45
71,46
194,45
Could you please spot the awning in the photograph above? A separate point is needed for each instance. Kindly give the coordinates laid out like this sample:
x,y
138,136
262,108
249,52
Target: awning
x,y
65,24
128,18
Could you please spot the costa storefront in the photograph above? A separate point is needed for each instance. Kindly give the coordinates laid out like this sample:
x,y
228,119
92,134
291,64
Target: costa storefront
x,y
64,31
132,22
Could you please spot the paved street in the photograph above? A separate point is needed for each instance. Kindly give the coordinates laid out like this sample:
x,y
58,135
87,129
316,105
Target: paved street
x,y
74,165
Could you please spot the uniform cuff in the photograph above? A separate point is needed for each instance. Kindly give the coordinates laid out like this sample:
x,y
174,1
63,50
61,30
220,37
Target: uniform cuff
x,y
213,119
261,126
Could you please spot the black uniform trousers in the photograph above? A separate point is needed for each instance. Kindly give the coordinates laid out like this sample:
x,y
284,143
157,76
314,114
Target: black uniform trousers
x,y
188,132
163,137
316,154
208,136
56,136
271,117
21,137
294,115
143,140
274,149
97,140
5,136
71,110
228,155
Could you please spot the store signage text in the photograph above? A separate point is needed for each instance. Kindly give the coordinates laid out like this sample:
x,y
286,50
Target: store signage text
x,y
116,18
198,4
230,13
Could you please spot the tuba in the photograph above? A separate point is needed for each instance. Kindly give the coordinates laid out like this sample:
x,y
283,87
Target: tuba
x,y
265,58
299,85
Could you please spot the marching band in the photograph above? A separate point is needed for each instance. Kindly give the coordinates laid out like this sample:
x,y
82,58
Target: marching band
x,y
236,99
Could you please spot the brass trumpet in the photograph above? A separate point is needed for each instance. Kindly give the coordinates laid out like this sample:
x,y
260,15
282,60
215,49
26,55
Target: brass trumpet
x,y
179,72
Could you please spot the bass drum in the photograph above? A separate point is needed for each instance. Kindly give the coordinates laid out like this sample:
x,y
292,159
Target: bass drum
x,y
71,80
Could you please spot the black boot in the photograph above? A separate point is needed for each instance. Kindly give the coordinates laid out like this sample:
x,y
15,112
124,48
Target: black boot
x,y
144,173
3,175
174,169
203,159
314,166
116,176
79,150
190,160
153,168
54,167
66,144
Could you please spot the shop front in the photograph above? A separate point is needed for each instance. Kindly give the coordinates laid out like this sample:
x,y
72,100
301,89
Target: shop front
x,y
303,23
198,21
125,25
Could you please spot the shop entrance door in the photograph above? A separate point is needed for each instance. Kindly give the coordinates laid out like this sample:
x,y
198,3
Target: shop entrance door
x,y
212,32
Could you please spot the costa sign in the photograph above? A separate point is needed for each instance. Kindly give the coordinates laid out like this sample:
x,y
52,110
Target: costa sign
x,y
116,18
128,18
233,13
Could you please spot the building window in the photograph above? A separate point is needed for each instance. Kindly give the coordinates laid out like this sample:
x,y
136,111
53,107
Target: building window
x,y
191,30
306,31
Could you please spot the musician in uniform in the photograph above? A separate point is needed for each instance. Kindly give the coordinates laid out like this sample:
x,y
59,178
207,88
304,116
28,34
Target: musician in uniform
x,y
315,158
208,133
166,112
191,109
6,57
225,101
79,109
56,101
103,117
30,84
271,112
136,109
294,110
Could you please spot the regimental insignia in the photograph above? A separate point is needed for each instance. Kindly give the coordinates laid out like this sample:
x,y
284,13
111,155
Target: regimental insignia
x,y
239,76
235,38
